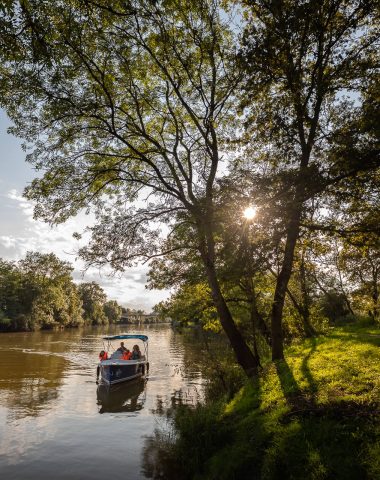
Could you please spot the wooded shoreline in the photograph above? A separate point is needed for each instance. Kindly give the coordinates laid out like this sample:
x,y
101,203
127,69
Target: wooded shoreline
x,y
39,293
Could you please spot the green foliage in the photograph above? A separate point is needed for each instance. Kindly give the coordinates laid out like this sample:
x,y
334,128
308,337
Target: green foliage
x,y
5,322
225,379
191,304
361,260
112,311
198,434
38,292
93,300
122,101
334,306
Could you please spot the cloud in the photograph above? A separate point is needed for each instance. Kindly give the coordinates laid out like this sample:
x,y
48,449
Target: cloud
x,y
7,241
24,205
24,233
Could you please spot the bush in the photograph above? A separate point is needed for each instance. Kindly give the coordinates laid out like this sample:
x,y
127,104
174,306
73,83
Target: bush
x,y
5,322
197,439
334,306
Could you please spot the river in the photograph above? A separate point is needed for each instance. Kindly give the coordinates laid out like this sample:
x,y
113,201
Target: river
x,y
55,422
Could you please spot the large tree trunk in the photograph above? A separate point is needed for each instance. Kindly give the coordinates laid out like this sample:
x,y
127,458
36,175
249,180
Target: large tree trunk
x,y
282,285
244,355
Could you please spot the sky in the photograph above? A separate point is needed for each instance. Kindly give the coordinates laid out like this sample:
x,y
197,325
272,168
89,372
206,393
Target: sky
x,y
20,233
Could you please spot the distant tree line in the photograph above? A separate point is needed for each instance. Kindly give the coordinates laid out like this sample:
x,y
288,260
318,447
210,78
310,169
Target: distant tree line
x,y
138,316
38,292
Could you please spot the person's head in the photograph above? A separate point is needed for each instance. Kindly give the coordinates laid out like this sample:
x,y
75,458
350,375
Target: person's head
x,y
136,348
102,352
122,344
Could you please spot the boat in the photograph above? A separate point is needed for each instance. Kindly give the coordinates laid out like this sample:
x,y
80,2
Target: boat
x,y
114,369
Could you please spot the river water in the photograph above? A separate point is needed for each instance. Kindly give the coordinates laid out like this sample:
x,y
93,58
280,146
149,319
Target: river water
x,y
56,423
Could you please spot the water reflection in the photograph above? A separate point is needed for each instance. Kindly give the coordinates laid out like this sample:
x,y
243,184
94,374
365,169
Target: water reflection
x,y
157,456
30,382
127,397
188,396
200,354
50,425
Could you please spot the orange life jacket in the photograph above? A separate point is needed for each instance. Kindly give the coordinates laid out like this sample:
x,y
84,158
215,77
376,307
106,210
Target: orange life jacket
x,y
103,357
126,355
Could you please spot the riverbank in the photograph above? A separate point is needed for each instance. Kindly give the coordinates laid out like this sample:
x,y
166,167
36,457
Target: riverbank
x,y
314,415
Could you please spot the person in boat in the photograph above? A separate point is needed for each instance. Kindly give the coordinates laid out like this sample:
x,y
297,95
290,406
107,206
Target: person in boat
x,y
122,348
103,355
136,353
126,355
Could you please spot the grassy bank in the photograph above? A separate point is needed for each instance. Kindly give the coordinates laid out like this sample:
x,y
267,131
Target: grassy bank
x,y
314,415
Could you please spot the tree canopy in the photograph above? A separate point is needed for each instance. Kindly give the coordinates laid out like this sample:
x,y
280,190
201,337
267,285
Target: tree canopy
x,y
38,292
183,113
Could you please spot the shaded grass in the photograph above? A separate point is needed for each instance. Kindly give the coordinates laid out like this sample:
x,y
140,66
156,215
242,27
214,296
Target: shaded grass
x,y
314,415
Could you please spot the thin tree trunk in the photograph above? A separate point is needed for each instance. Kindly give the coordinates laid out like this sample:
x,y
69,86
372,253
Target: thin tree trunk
x,y
342,289
253,323
253,317
375,297
217,368
309,330
303,314
258,319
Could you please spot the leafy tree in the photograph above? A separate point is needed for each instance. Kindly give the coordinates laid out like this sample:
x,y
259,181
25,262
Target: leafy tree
x,y
191,304
361,262
72,313
10,284
334,305
38,292
53,297
306,63
93,299
125,101
46,266
138,101
112,311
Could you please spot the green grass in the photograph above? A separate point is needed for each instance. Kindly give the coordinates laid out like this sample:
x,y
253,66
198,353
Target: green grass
x,y
313,416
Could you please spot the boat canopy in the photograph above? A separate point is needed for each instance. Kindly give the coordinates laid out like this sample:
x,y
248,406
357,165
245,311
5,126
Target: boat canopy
x,y
124,336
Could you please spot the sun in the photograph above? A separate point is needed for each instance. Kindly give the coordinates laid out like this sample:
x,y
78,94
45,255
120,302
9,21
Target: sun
x,y
249,213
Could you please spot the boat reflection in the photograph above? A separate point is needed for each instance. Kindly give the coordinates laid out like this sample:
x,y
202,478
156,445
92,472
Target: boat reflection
x,y
126,397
